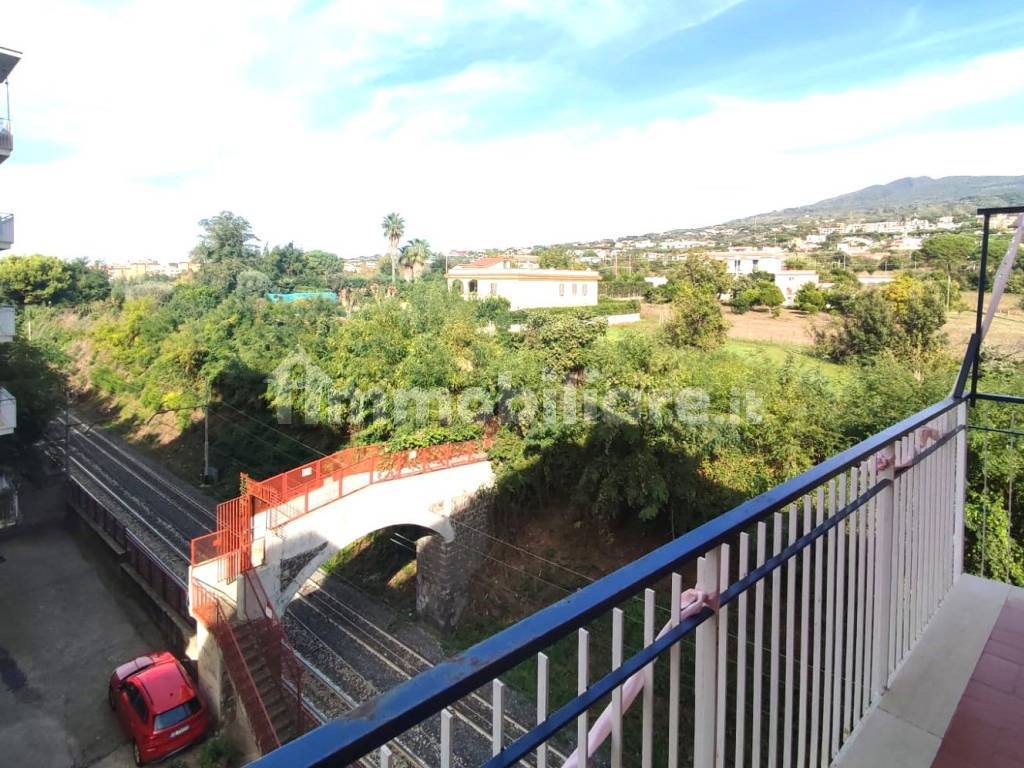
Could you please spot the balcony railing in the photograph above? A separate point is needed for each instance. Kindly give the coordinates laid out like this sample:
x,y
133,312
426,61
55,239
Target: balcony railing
x,y
6,230
806,600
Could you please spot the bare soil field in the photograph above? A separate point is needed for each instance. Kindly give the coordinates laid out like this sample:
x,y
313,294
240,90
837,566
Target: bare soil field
x,y
792,327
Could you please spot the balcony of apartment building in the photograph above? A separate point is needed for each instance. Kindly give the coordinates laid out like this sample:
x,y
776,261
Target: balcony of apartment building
x,y
829,621
6,230
8,60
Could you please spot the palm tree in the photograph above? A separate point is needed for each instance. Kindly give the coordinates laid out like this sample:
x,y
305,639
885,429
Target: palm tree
x,y
394,227
414,253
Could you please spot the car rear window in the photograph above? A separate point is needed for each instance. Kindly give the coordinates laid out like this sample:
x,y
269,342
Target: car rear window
x,y
174,716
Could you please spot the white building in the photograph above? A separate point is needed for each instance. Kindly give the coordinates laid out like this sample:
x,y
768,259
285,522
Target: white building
x,y
747,262
789,281
525,286
907,243
816,239
854,245
8,405
656,280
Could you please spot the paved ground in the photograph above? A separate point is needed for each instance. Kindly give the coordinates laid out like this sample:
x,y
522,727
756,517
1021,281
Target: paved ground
x,y
956,695
68,619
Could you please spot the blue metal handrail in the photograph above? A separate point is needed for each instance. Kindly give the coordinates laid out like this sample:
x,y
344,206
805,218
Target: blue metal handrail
x,y
342,742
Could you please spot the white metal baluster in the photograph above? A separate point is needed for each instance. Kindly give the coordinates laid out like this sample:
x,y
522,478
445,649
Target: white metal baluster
x,y
901,580
928,516
743,568
705,689
819,517
723,658
582,681
787,725
884,609
862,523
837,665
871,526
617,693
497,715
851,607
916,596
673,674
755,712
542,705
805,618
385,757
959,486
446,738
830,613
773,656
647,747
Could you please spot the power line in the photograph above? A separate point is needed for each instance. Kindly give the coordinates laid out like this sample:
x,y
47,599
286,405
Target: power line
x,y
273,428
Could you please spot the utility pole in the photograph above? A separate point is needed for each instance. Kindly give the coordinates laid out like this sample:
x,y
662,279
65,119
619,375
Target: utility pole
x,y
206,437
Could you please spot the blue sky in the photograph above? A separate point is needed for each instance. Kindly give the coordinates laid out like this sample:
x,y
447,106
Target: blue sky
x,y
497,123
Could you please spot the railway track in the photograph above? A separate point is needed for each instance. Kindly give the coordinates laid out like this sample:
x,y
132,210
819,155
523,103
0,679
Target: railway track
x,y
350,658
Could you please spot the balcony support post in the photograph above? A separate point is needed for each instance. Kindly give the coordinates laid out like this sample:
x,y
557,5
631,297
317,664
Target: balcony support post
x,y
960,485
885,511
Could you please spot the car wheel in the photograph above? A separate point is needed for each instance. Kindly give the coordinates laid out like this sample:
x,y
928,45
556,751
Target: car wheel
x,y
136,754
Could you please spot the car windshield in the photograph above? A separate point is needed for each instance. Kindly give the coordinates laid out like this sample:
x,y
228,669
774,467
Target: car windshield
x,y
174,716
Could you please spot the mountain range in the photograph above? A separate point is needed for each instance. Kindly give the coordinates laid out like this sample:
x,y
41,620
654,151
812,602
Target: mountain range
x,y
916,195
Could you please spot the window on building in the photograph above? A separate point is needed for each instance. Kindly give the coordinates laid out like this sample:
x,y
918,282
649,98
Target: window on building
x,y
584,289
494,289
575,287
561,289
753,263
736,264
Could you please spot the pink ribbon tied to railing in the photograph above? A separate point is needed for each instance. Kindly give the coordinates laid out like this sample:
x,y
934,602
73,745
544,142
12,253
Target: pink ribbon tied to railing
x,y
691,602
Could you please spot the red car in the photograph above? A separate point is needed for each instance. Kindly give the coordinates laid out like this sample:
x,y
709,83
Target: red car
x,y
158,706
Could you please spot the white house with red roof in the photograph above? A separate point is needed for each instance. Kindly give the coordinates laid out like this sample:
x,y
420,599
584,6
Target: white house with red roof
x,y
523,283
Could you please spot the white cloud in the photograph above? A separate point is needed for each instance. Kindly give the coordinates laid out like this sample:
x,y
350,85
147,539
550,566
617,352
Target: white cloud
x,y
172,112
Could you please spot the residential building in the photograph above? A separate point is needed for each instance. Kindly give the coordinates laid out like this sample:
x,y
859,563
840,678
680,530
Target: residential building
x,y
747,262
854,245
135,270
790,281
8,60
524,284
906,243
656,280
8,405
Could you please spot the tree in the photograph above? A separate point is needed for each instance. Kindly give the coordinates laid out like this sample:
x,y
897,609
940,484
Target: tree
x,y
948,252
226,248
704,273
905,318
414,254
88,282
556,257
757,289
394,227
696,319
33,279
226,237
252,282
810,299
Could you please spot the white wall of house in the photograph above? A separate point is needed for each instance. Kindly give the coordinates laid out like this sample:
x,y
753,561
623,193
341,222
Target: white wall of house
x,y
745,265
529,288
790,281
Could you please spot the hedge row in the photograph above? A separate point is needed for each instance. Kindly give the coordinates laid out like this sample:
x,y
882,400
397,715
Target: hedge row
x,y
603,308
